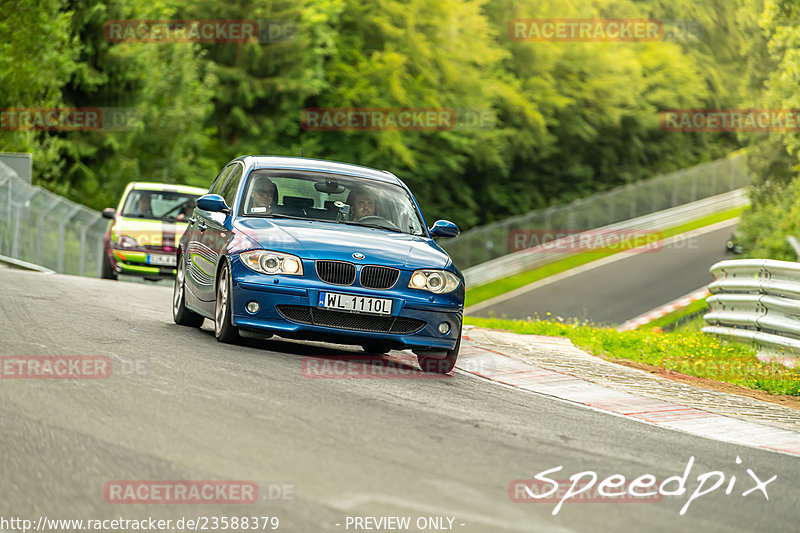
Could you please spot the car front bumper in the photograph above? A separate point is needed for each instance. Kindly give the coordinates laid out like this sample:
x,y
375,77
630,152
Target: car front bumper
x,y
135,263
287,307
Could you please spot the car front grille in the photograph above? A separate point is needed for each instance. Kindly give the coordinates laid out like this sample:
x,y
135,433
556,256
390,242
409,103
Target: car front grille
x,y
336,272
378,277
352,321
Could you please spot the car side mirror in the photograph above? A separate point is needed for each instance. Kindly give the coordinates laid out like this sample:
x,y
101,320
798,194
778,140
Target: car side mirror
x,y
109,212
214,203
444,228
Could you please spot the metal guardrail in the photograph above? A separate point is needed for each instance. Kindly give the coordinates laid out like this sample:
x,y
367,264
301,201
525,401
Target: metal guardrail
x,y
757,301
523,260
40,227
485,243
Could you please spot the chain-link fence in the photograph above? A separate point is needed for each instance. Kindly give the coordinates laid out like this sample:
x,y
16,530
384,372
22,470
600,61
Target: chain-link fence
x,y
43,228
488,242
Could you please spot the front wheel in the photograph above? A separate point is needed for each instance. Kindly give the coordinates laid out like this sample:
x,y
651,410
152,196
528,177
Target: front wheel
x,y
180,314
441,366
106,272
224,330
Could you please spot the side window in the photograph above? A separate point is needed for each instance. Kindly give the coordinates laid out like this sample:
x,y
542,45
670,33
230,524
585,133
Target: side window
x,y
232,185
216,187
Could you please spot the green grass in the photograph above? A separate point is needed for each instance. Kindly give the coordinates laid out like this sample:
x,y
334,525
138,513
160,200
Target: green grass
x,y
490,290
677,315
687,351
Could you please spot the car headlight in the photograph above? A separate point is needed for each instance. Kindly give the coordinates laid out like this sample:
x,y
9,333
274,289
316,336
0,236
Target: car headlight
x,y
268,262
437,281
126,242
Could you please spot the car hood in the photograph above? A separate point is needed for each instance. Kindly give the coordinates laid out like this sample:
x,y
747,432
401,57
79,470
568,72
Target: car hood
x,y
327,240
157,233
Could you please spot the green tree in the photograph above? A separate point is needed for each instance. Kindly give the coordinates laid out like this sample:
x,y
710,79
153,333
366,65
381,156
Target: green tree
x,y
37,54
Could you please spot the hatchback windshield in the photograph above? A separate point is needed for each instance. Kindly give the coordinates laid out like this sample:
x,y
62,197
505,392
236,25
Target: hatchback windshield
x,y
159,205
332,198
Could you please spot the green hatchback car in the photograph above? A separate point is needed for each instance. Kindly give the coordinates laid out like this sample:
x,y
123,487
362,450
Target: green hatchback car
x,y
147,225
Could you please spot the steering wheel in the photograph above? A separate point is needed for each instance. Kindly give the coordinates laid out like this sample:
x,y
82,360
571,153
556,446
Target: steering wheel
x,y
374,219
179,206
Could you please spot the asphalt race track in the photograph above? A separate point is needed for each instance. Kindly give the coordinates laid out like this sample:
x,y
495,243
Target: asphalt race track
x,y
180,406
618,291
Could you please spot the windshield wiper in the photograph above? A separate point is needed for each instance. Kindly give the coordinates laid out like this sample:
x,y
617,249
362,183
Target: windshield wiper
x,y
378,226
277,215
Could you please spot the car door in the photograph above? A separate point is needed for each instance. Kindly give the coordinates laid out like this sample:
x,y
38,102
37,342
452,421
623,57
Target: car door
x,y
214,234
200,271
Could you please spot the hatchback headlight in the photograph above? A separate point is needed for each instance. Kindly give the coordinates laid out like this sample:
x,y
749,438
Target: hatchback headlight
x,y
126,242
268,262
437,281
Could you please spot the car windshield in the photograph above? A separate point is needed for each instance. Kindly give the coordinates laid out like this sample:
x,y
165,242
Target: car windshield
x,y
334,198
159,205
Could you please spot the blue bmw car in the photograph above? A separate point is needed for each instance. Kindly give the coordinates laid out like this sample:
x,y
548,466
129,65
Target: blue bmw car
x,y
318,250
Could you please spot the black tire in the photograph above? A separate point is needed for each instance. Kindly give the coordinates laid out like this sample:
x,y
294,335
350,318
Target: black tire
x,y
376,348
441,366
224,330
106,272
180,314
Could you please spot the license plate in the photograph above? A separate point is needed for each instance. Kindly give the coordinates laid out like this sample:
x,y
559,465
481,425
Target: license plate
x,y
355,304
165,260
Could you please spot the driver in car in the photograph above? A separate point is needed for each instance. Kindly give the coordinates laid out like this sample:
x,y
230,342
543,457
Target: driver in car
x,y
143,207
362,204
264,196
187,210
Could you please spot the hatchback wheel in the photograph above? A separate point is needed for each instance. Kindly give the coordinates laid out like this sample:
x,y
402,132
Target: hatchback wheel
x,y
224,330
106,271
441,366
180,314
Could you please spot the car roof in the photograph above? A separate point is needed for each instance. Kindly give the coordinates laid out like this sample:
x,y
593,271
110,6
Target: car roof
x,y
320,165
154,186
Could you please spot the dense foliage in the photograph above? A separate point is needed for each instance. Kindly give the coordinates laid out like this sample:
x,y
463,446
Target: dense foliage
x,y
565,119
774,78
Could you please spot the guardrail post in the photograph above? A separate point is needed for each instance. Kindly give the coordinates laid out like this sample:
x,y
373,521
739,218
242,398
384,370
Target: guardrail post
x,y
675,187
40,243
67,218
792,240
714,182
86,228
15,243
6,180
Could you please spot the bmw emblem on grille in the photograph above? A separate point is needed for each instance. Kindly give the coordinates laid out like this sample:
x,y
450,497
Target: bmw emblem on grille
x,y
358,255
